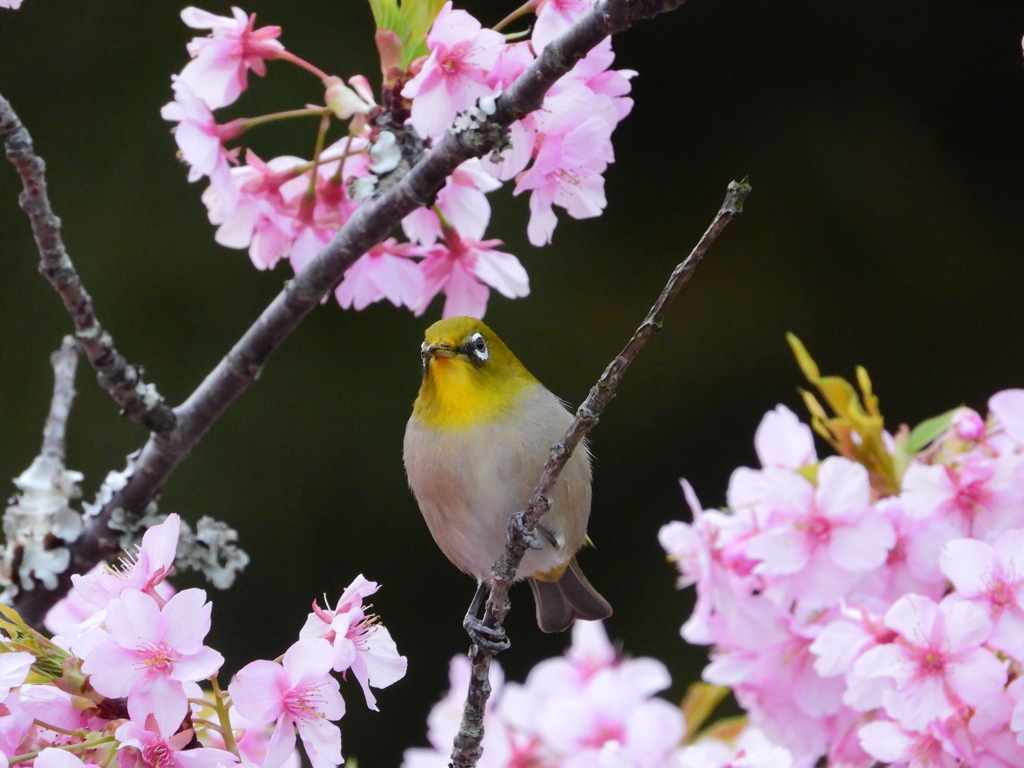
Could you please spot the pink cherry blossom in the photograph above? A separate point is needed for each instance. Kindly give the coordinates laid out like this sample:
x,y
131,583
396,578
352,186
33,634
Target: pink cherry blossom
x,y
980,495
456,72
574,152
14,668
556,16
782,440
361,643
150,747
201,141
386,271
887,742
992,576
936,662
12,4
58,758
220,63
463,268
151,651
968,425
300,693
831,528
142,571
462,200
1008,407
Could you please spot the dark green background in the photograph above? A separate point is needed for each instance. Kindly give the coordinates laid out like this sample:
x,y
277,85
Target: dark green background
x,y
885,143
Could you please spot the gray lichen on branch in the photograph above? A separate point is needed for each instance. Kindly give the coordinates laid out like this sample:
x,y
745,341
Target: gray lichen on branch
x,y
467,747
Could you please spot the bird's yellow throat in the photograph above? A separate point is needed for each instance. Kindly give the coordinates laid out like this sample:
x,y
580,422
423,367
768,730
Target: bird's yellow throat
x,y
455,395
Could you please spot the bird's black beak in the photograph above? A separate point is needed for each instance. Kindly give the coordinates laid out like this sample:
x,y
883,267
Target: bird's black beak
x,y
441,349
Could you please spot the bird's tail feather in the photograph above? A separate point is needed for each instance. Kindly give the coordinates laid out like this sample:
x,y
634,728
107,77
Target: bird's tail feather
x,y
560,603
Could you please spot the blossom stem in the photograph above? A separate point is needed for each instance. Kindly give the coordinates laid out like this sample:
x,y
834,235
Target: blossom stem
x,y
298,61
221,707
56,729
252,122
337,178
309,199
67,748
525,8
208,725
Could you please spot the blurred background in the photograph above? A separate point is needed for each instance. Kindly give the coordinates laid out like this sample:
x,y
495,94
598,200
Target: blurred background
x,y
885,144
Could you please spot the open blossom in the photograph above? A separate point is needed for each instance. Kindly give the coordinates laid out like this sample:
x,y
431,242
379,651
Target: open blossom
x,y
143,571
151,651
386,271
148,747
361,643
220,63
462,200
456,72
14,668
556,16
201,140
14,4
575,151
936,662
830,529
463,268
992,576
299,693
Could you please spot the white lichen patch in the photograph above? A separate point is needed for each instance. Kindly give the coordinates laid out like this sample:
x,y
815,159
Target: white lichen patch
x,y
385,154
37,523
477,115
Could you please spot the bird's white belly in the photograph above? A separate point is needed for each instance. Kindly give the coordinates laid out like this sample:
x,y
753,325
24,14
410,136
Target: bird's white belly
x,y
469,482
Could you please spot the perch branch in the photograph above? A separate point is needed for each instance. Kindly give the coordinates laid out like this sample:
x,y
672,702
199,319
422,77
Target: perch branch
x,y
65,363
138,401
369,225
467,747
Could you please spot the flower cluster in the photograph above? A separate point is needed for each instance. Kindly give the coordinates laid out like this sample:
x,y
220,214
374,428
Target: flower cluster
x,y
590,707
121,677
870,606
289,208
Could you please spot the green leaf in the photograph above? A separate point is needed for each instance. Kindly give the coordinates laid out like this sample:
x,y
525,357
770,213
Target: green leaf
x,y
928,430
410,20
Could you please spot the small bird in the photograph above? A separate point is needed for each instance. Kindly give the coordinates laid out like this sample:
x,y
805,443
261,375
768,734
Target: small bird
x,y
475,446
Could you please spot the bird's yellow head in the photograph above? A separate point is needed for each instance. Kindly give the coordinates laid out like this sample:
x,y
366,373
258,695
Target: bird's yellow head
x,y
469,375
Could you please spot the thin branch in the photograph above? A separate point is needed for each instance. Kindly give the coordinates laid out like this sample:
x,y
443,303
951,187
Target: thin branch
x,y
138,400
467,748
369,225
65,363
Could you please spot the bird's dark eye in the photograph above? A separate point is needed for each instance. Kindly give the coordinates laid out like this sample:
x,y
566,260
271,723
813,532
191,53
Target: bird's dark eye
x,y
479,347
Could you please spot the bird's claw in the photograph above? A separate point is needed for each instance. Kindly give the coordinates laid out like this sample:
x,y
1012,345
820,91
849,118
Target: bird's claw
x,y
490,639
517,529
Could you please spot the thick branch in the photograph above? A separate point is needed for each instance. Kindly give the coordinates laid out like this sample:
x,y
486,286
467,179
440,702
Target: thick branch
x,y
370,224
467,748
139,401
65,363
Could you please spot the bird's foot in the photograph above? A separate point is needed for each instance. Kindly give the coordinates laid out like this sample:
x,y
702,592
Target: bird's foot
x,y
489,639
517,529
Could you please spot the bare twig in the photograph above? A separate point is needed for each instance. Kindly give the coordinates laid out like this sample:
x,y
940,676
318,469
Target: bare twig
x,y
139,401
467,747
370,224
65,363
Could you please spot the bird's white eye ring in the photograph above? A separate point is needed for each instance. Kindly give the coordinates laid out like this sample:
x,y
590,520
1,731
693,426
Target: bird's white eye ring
x,y
479,347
